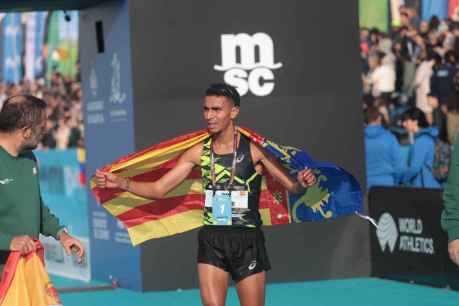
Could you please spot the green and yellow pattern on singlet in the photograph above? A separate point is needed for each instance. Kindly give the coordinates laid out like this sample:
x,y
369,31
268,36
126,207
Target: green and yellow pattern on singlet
x,y
246,178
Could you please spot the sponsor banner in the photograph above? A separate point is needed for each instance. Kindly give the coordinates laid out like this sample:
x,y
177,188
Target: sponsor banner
x,y
408,244
247,62
65,194
108,115
58,263
34,40
12,48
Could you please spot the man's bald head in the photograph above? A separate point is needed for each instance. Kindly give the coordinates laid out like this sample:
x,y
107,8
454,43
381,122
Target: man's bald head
x,y
21,111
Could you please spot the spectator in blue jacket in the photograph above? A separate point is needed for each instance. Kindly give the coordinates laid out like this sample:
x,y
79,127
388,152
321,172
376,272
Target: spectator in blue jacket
x,y
422,151
384,158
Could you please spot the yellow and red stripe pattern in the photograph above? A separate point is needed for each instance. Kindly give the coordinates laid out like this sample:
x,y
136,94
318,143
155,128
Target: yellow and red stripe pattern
x,y
181,209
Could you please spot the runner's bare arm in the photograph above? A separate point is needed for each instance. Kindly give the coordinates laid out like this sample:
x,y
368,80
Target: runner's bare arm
x,y
305,178
159,188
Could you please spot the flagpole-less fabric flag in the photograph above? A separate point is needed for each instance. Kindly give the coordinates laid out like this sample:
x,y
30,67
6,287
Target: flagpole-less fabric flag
x,y
337,193
39,43
12,31
68,44
437,8
25,281
374,13
52,44
453,9
81,157
30,33
35,35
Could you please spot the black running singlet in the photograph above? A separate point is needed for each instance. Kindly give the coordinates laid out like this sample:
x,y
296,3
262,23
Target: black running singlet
x,y
246,178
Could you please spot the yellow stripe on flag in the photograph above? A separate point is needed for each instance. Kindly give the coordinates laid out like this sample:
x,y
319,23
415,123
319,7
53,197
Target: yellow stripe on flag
x,y
265,216
147,165
81,155
263,186
124,202
154,153
171,225
127,201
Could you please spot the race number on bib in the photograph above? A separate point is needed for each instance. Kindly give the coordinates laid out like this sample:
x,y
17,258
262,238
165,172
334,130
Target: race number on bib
x,y
223,202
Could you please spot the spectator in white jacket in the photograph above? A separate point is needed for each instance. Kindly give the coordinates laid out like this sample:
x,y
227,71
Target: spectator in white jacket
x,y
382,77
422,86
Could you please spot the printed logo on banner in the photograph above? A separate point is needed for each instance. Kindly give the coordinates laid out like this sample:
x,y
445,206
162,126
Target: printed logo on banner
x,y
248,62
408,231
94,109
93,82
118,113
116,96
387,232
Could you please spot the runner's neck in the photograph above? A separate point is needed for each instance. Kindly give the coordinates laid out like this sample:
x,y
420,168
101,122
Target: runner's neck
x,y
223,141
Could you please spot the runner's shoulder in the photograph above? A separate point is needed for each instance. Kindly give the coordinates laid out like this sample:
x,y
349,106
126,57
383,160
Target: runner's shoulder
x,y
194,152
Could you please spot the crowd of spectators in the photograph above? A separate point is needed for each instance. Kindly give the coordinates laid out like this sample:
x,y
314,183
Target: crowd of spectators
x,y
63,96
411,91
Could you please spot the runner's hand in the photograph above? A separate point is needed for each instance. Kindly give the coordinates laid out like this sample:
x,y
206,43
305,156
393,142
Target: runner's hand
x,y
109,180
306,177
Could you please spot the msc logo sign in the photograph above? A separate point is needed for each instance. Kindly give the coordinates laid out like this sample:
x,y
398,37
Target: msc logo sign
x,y
248,62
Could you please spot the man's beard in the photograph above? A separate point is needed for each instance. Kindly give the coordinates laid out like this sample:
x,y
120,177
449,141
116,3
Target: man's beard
x,y
29,145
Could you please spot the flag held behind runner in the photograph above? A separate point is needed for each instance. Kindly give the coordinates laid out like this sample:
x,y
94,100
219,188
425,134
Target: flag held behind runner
x,y
336,193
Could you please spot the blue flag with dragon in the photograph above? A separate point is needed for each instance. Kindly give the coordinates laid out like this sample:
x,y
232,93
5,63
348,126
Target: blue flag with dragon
x,y
337,193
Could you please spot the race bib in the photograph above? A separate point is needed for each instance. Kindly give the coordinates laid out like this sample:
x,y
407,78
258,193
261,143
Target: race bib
x,y
223,204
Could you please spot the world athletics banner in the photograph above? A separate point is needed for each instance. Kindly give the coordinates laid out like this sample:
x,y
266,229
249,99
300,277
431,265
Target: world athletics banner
x,y
408,244
62,184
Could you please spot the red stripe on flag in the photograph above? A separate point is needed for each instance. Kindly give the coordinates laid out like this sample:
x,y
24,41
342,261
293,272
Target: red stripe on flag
x,y
254,136
275,197
106,194
161,209
156,174
161,145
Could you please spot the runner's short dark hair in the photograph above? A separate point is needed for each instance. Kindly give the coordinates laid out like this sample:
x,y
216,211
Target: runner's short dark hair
x,y
225,90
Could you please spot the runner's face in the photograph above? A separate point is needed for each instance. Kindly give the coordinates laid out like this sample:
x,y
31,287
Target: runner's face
x,y
219,112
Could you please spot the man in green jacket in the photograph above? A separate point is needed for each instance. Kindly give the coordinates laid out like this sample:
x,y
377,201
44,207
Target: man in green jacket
x,y
23,216
450,215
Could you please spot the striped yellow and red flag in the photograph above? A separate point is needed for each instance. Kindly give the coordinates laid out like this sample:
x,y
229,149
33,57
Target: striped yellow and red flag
x,y
336,193
182,208
25,281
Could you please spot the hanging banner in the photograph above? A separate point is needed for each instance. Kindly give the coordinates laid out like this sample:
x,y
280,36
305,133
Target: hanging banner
x,y
374,14
453,9
437,8
64,192
12,48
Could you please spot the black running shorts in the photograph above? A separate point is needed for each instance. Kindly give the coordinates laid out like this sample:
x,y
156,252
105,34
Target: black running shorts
x,y
239,251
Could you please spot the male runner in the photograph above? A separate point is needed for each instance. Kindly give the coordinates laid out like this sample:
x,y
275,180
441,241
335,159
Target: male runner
x,y
230,242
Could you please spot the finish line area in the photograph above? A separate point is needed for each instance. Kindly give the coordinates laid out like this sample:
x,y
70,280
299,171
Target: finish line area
x,y
346,292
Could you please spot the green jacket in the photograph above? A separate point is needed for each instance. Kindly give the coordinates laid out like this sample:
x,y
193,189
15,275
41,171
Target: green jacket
x,y
450,215
22,211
